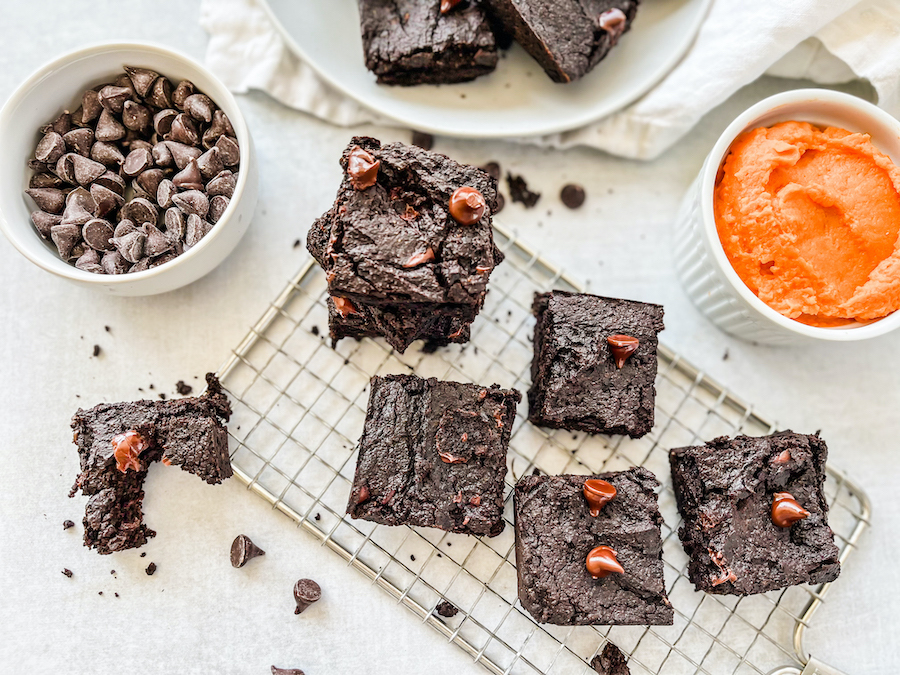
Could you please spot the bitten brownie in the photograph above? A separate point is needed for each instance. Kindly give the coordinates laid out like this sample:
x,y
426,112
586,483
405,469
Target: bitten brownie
x,y
579,380
726,491
556,532
401,257
118,441
408,42
433,453
567,37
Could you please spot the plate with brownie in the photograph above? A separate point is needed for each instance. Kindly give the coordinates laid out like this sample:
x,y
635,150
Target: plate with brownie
x,y
491,68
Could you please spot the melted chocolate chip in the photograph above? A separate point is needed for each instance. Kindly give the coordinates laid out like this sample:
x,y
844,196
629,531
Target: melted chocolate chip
x,y
602,562
622,347
786,510
598,494
243,551
362,168
467,205
613,22
448,5
420,258
344,307
127,448
306,592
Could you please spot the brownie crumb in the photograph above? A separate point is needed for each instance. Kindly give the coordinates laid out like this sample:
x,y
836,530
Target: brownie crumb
x,y
107,329
318,516
162,396
182,388
296,243
572,195
446,609
68,524
143,554
116,594
413,558
423,140
314,330
112,571
67,572
286,671
150,387
99,592
151,568
610,662
725,355
519,192
97,350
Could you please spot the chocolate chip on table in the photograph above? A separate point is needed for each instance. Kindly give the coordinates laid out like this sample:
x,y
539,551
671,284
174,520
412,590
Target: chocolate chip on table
x,y
243,551
172,147
183,389
67,572
67,524
423,140
446,609
151,568
519,192
306,592
286,671
572,195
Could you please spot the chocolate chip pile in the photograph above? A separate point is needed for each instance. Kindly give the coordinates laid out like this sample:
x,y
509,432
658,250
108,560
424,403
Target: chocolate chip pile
x,y
134,177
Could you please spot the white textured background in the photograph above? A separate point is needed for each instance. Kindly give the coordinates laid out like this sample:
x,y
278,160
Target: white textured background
x,y
197,614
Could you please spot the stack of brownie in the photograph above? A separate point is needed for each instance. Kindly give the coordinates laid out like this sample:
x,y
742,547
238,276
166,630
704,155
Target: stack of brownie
x,y
407,246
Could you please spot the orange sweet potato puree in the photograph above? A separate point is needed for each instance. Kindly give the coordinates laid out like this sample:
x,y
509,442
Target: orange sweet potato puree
x,y
810,220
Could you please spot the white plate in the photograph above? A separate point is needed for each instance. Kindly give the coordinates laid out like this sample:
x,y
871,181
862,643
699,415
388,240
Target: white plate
x,y
518,99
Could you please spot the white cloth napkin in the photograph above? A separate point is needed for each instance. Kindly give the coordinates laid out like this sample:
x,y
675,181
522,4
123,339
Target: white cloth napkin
x,y
828,41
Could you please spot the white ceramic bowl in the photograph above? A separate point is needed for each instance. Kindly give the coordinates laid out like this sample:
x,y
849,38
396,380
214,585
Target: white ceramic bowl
x,y
704,269
58,86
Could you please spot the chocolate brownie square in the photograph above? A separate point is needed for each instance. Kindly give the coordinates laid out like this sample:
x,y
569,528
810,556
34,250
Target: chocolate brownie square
x,y
594,365
433,454
117,442
567,37
742,501
408,42
558,531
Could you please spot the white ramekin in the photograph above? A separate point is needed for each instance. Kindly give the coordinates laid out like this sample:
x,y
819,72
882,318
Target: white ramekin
x,y
704,269
58,86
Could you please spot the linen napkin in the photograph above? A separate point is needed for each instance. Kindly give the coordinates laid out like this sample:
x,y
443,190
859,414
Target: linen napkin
x,y
827,41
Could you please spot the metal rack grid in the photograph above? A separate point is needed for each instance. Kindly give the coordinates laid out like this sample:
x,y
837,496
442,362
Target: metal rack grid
x,y
299,407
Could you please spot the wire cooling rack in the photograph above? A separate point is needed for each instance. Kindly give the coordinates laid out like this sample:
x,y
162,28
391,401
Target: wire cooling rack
x,y
299,407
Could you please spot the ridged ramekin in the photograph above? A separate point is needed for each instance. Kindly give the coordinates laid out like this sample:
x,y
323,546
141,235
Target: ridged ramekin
x,y
707,275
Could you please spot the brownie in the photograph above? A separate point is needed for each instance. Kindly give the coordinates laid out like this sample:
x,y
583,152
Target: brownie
x,y
576,382
566,37
610,662
186,432
408,42
725,491
433,454
555,532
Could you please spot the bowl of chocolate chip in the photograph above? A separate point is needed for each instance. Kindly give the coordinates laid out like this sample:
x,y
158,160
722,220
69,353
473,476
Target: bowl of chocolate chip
x,y
127,168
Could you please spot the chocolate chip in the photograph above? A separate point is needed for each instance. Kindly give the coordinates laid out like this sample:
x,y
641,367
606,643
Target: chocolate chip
x,y
423,140
67,572
149,181
223,184
519,192
107,154
572,195
195,229
183,130
492,169
786,510
188,178
192,202
229,152
162,121
67,524
113,263
79,141
113,181
362,168
175,224
242,549
217,207
131,246
124,227
162,156
183,389
286,671
200,107
161,93
50,148
137,162
135,116
306,592
156,243
49,200
97,234
142,79
45,180
151,568
43,222
113,98
446,609
209,163
613,21
467,205
81,169
601,562
184,89
598,494
164,193
622,347
89,261
139,210
109,128
65,237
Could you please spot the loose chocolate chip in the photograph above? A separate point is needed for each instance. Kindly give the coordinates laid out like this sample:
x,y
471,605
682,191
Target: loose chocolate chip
x,y
141,79
229,152
131,245
598,494
113,263
306,592
217,207
97,234
192,202
184,89
161,93
67,524
601,562
113,98
151,568
49,200
297,245
79,141
182,154
519,192
362,168
467,205
242,549
135,116
175,224
286,671
223,184
162,396
50,148
137,162
622,347
184,130
195,229
423,140
572,195
43,222
107,154
67,572
183,389
65,237
200,107
446,609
